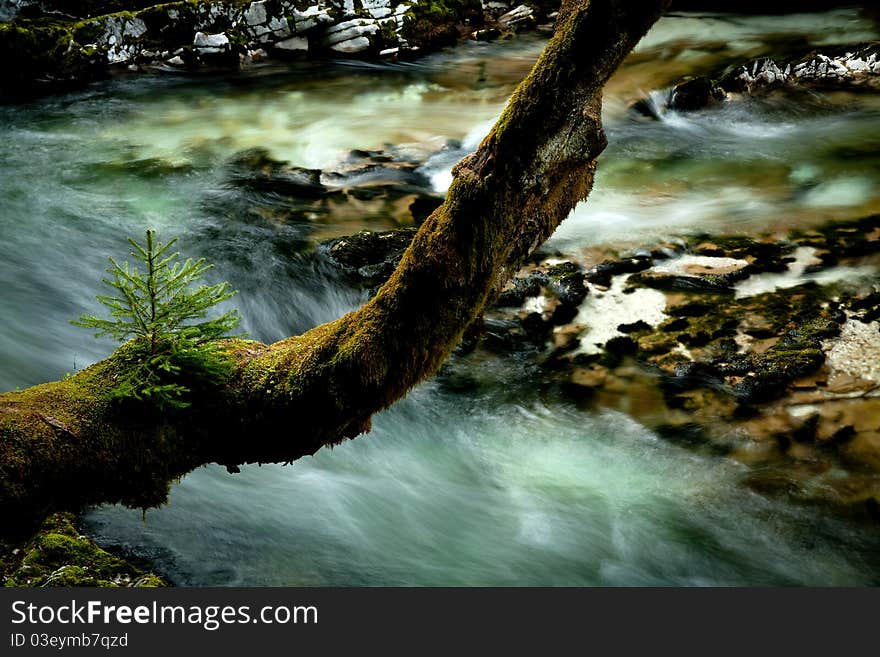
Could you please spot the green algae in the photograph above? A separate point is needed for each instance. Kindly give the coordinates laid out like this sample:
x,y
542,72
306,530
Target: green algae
x,y
58,555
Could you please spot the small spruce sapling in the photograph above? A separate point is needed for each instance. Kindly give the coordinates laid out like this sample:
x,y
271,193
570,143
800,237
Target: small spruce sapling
x,y
157,311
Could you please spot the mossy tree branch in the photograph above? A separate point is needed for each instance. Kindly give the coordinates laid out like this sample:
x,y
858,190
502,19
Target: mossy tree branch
x,y
64,444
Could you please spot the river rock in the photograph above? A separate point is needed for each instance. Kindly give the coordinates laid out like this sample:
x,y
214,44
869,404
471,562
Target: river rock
x,y
369,256
853,67
350,30
496,8
378,8
255,14
256,170
857,66
202,40
694,95
352,46
58,555
602,273
519,17
293,44
488,34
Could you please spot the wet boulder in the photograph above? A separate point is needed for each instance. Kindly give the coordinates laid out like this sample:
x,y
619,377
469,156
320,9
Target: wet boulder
x,y
695,94
605,271
567,282
520,288
369,257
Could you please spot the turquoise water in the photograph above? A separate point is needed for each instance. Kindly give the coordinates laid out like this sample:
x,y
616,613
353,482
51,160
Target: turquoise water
x,y
485,475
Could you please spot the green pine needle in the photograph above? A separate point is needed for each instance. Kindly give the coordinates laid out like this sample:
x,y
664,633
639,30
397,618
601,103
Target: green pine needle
x,y
160,307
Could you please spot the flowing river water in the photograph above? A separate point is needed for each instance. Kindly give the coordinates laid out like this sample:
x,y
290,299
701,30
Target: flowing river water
x,y
485,475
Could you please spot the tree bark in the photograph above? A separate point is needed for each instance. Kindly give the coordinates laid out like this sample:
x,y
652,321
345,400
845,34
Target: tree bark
x,y
65,444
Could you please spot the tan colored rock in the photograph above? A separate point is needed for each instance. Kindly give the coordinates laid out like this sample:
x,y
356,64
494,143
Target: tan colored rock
x,y
591,377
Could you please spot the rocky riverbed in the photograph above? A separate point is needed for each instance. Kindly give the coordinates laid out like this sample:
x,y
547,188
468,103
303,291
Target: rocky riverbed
x,y
764,350
761,348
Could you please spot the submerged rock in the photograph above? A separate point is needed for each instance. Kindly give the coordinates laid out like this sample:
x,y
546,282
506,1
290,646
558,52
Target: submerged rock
x,y
367,184
257,170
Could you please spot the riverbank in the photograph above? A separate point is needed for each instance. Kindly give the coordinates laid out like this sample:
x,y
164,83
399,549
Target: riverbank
x,y
46,48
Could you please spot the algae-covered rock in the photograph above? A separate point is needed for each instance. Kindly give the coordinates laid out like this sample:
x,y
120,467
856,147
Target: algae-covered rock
x,y
58,555
34,52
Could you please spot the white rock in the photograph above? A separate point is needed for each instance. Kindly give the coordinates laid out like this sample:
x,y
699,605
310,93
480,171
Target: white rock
x,y
349,34
294,43
302,26
516,15
255,14
203,40
345,25
306,20
315,12
358,44
859,65
134,28
856,351
175,61
307,24
279,27
838,68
